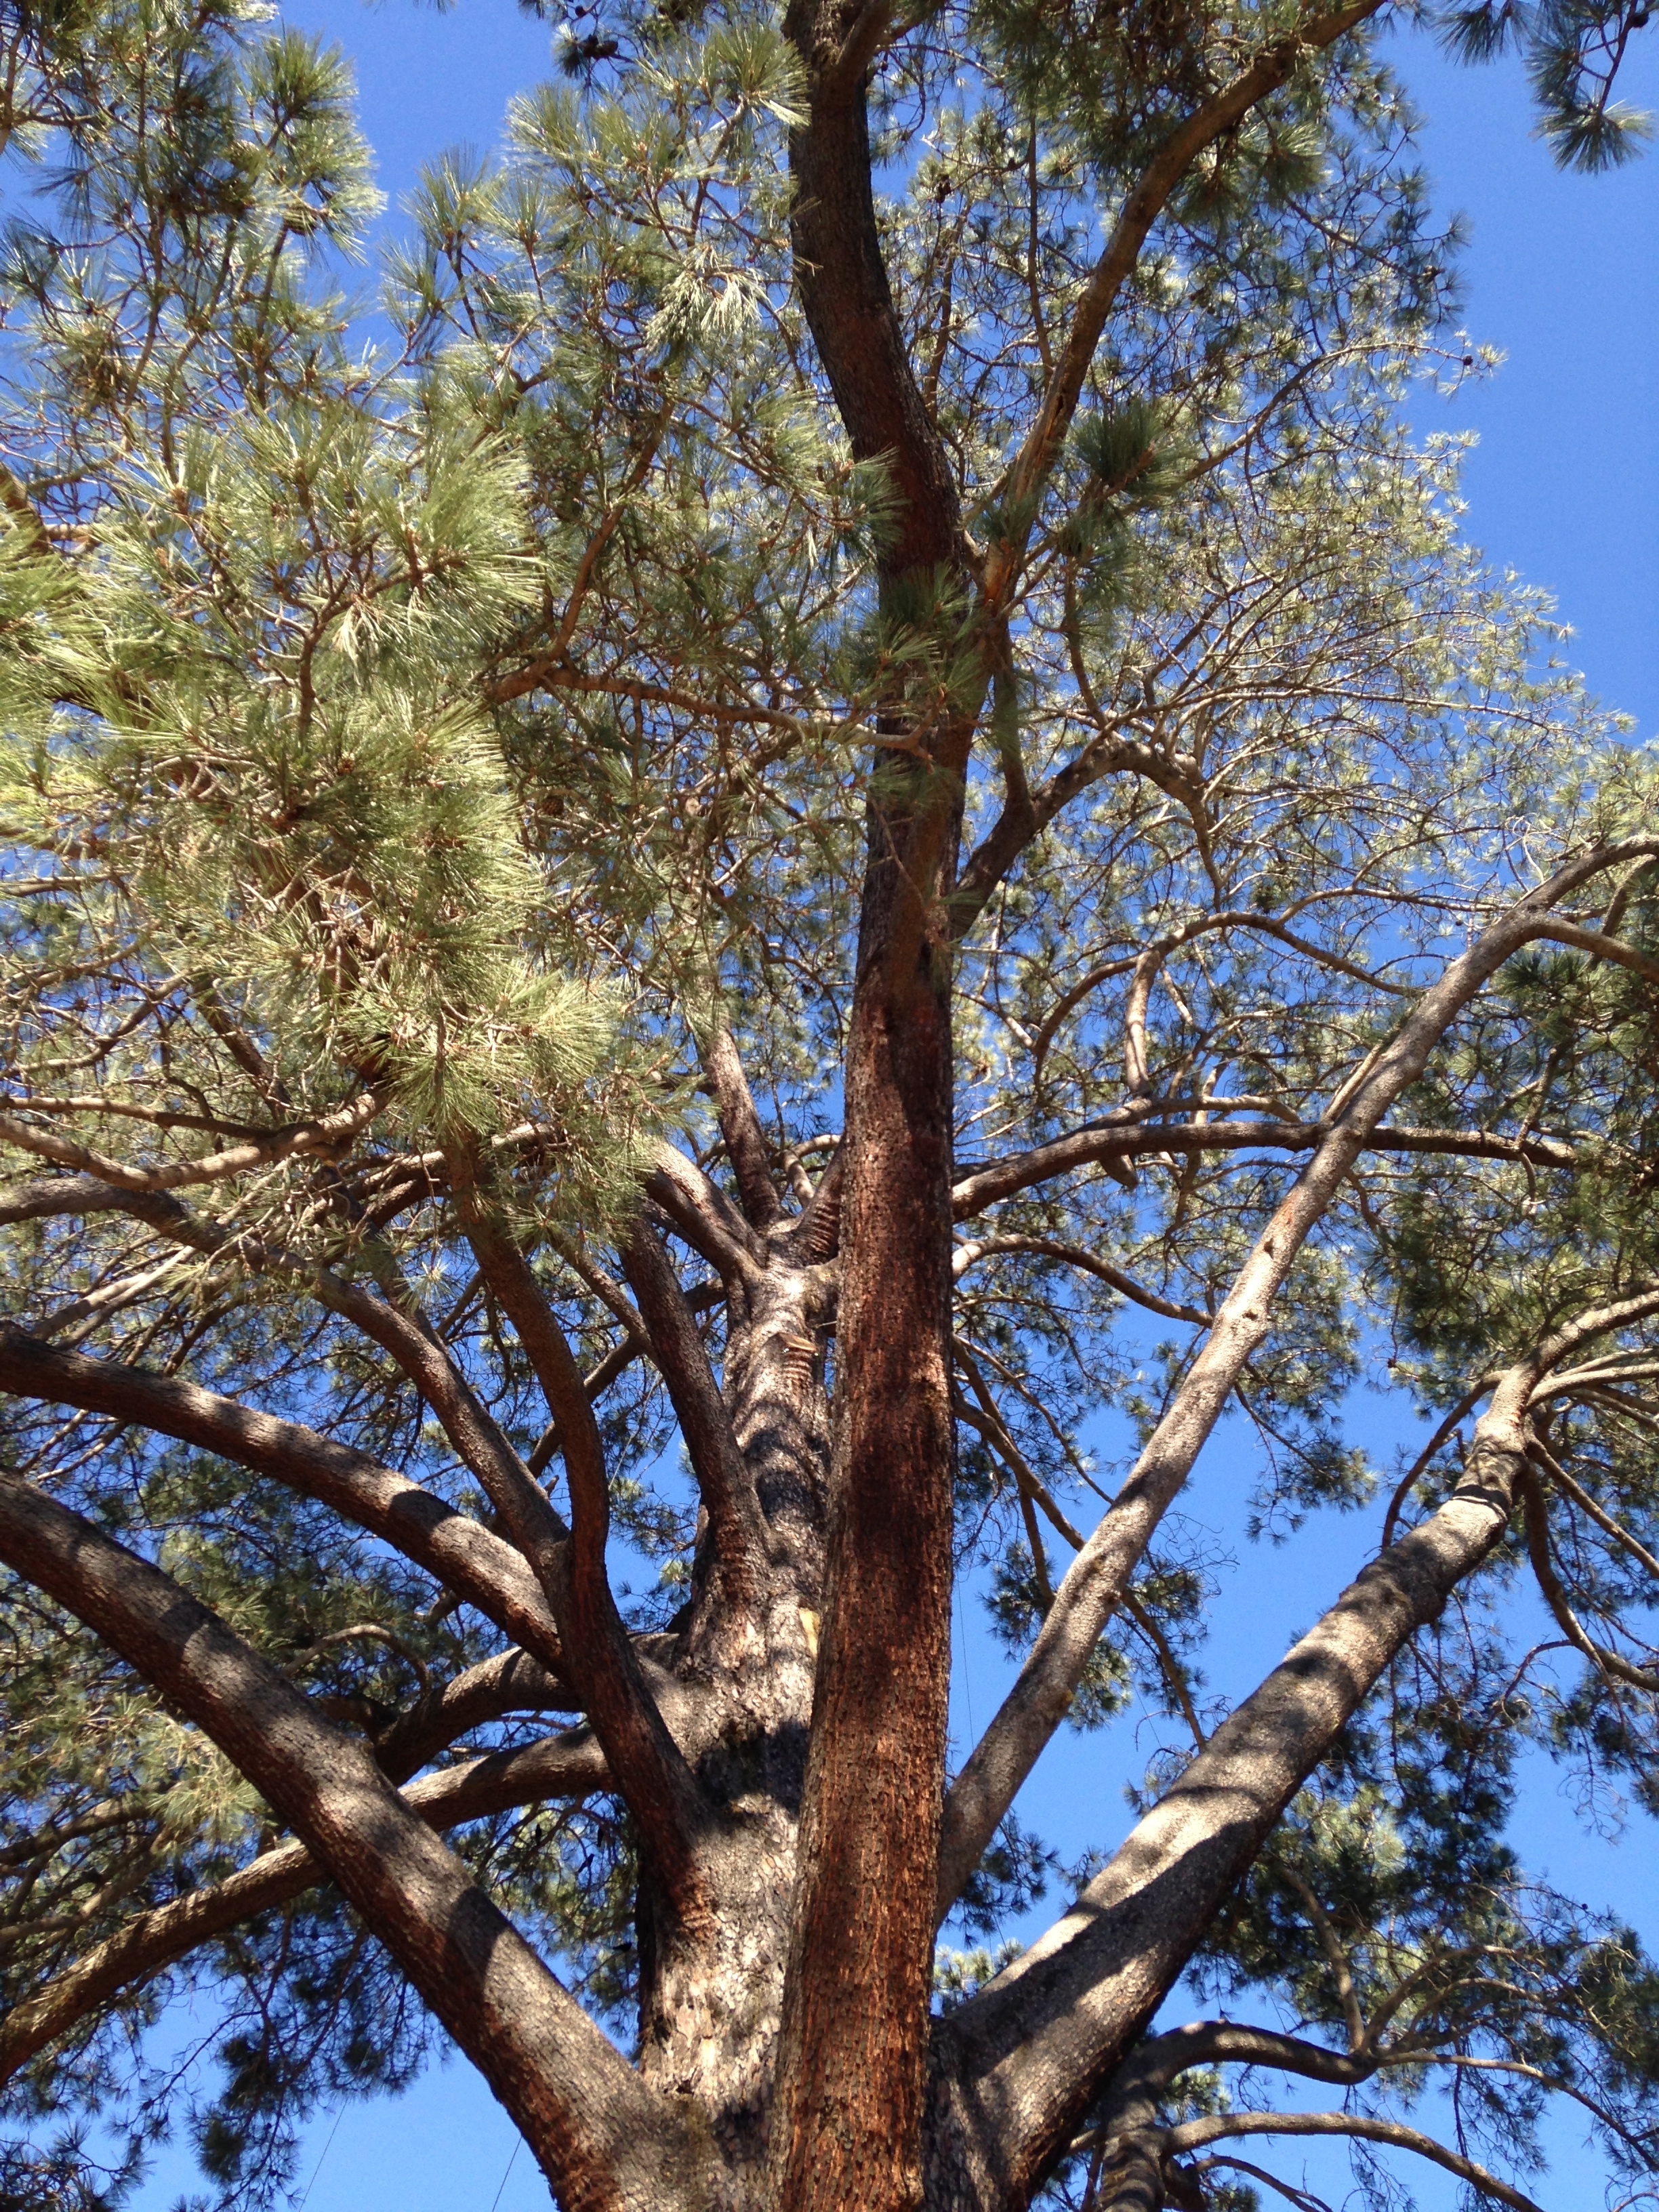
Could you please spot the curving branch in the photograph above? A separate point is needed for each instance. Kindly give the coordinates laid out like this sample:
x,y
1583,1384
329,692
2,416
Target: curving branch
x,y
1603,1520
326,1137
1195,2135
650,1769
558,1766
508,1682
703,1215
1605,1662
459,1554
1049,1248
604,2139
1112,1141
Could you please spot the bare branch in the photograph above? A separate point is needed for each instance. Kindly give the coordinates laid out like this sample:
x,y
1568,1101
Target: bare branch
x,y
1049,1248
1195,2133
723,1479
329,1134
1112,1140
649,1767
746,1141
1025,2055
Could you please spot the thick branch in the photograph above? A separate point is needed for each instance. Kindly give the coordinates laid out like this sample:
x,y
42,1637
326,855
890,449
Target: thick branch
x,y
508,1682
845,291
1093,1588
704,1216
459,1554
1031,2051
602,2139
560,1766
1028,2053
746,1141
723,1479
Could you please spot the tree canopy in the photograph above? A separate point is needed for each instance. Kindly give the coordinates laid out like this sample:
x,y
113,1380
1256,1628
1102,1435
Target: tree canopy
x,y
812,811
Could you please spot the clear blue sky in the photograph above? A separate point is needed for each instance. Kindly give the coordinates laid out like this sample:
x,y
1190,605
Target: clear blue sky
x,y
1560,275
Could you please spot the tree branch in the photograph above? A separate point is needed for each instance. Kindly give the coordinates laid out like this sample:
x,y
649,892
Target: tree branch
x,y
559,1767
1102,1270
704,1216
1195,2133
1024,2057
459,1554
1043,1691
1555,1596
994,1180
1020,489
724,1482
746,1140
328,1134
649,1767
602,2139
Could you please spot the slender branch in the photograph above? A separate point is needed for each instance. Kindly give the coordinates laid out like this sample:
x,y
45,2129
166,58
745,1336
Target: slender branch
x,y
1273,66
1604,1661
1195,2133
995,1180
1582,1498
724,1481
1336,1958
1461,1412
1048,1247
650,1768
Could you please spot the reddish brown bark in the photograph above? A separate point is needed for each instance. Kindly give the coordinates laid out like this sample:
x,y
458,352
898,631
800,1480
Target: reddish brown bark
x,y
852,2055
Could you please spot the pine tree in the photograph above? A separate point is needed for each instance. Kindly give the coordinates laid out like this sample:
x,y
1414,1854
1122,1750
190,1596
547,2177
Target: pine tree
x,y
841,820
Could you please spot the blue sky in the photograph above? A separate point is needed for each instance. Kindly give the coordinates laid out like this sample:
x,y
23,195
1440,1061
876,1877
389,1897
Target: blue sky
x,y
1560,275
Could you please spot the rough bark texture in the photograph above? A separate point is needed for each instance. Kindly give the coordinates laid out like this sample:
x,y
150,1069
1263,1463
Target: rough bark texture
x,y
602,2141
781,1750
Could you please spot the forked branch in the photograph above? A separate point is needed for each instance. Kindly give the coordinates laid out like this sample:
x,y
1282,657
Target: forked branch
x,y
603,2140
560,1766
1093,1587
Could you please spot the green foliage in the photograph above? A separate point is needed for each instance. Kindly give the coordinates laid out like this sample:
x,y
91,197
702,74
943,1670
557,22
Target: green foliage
x,y
460,725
